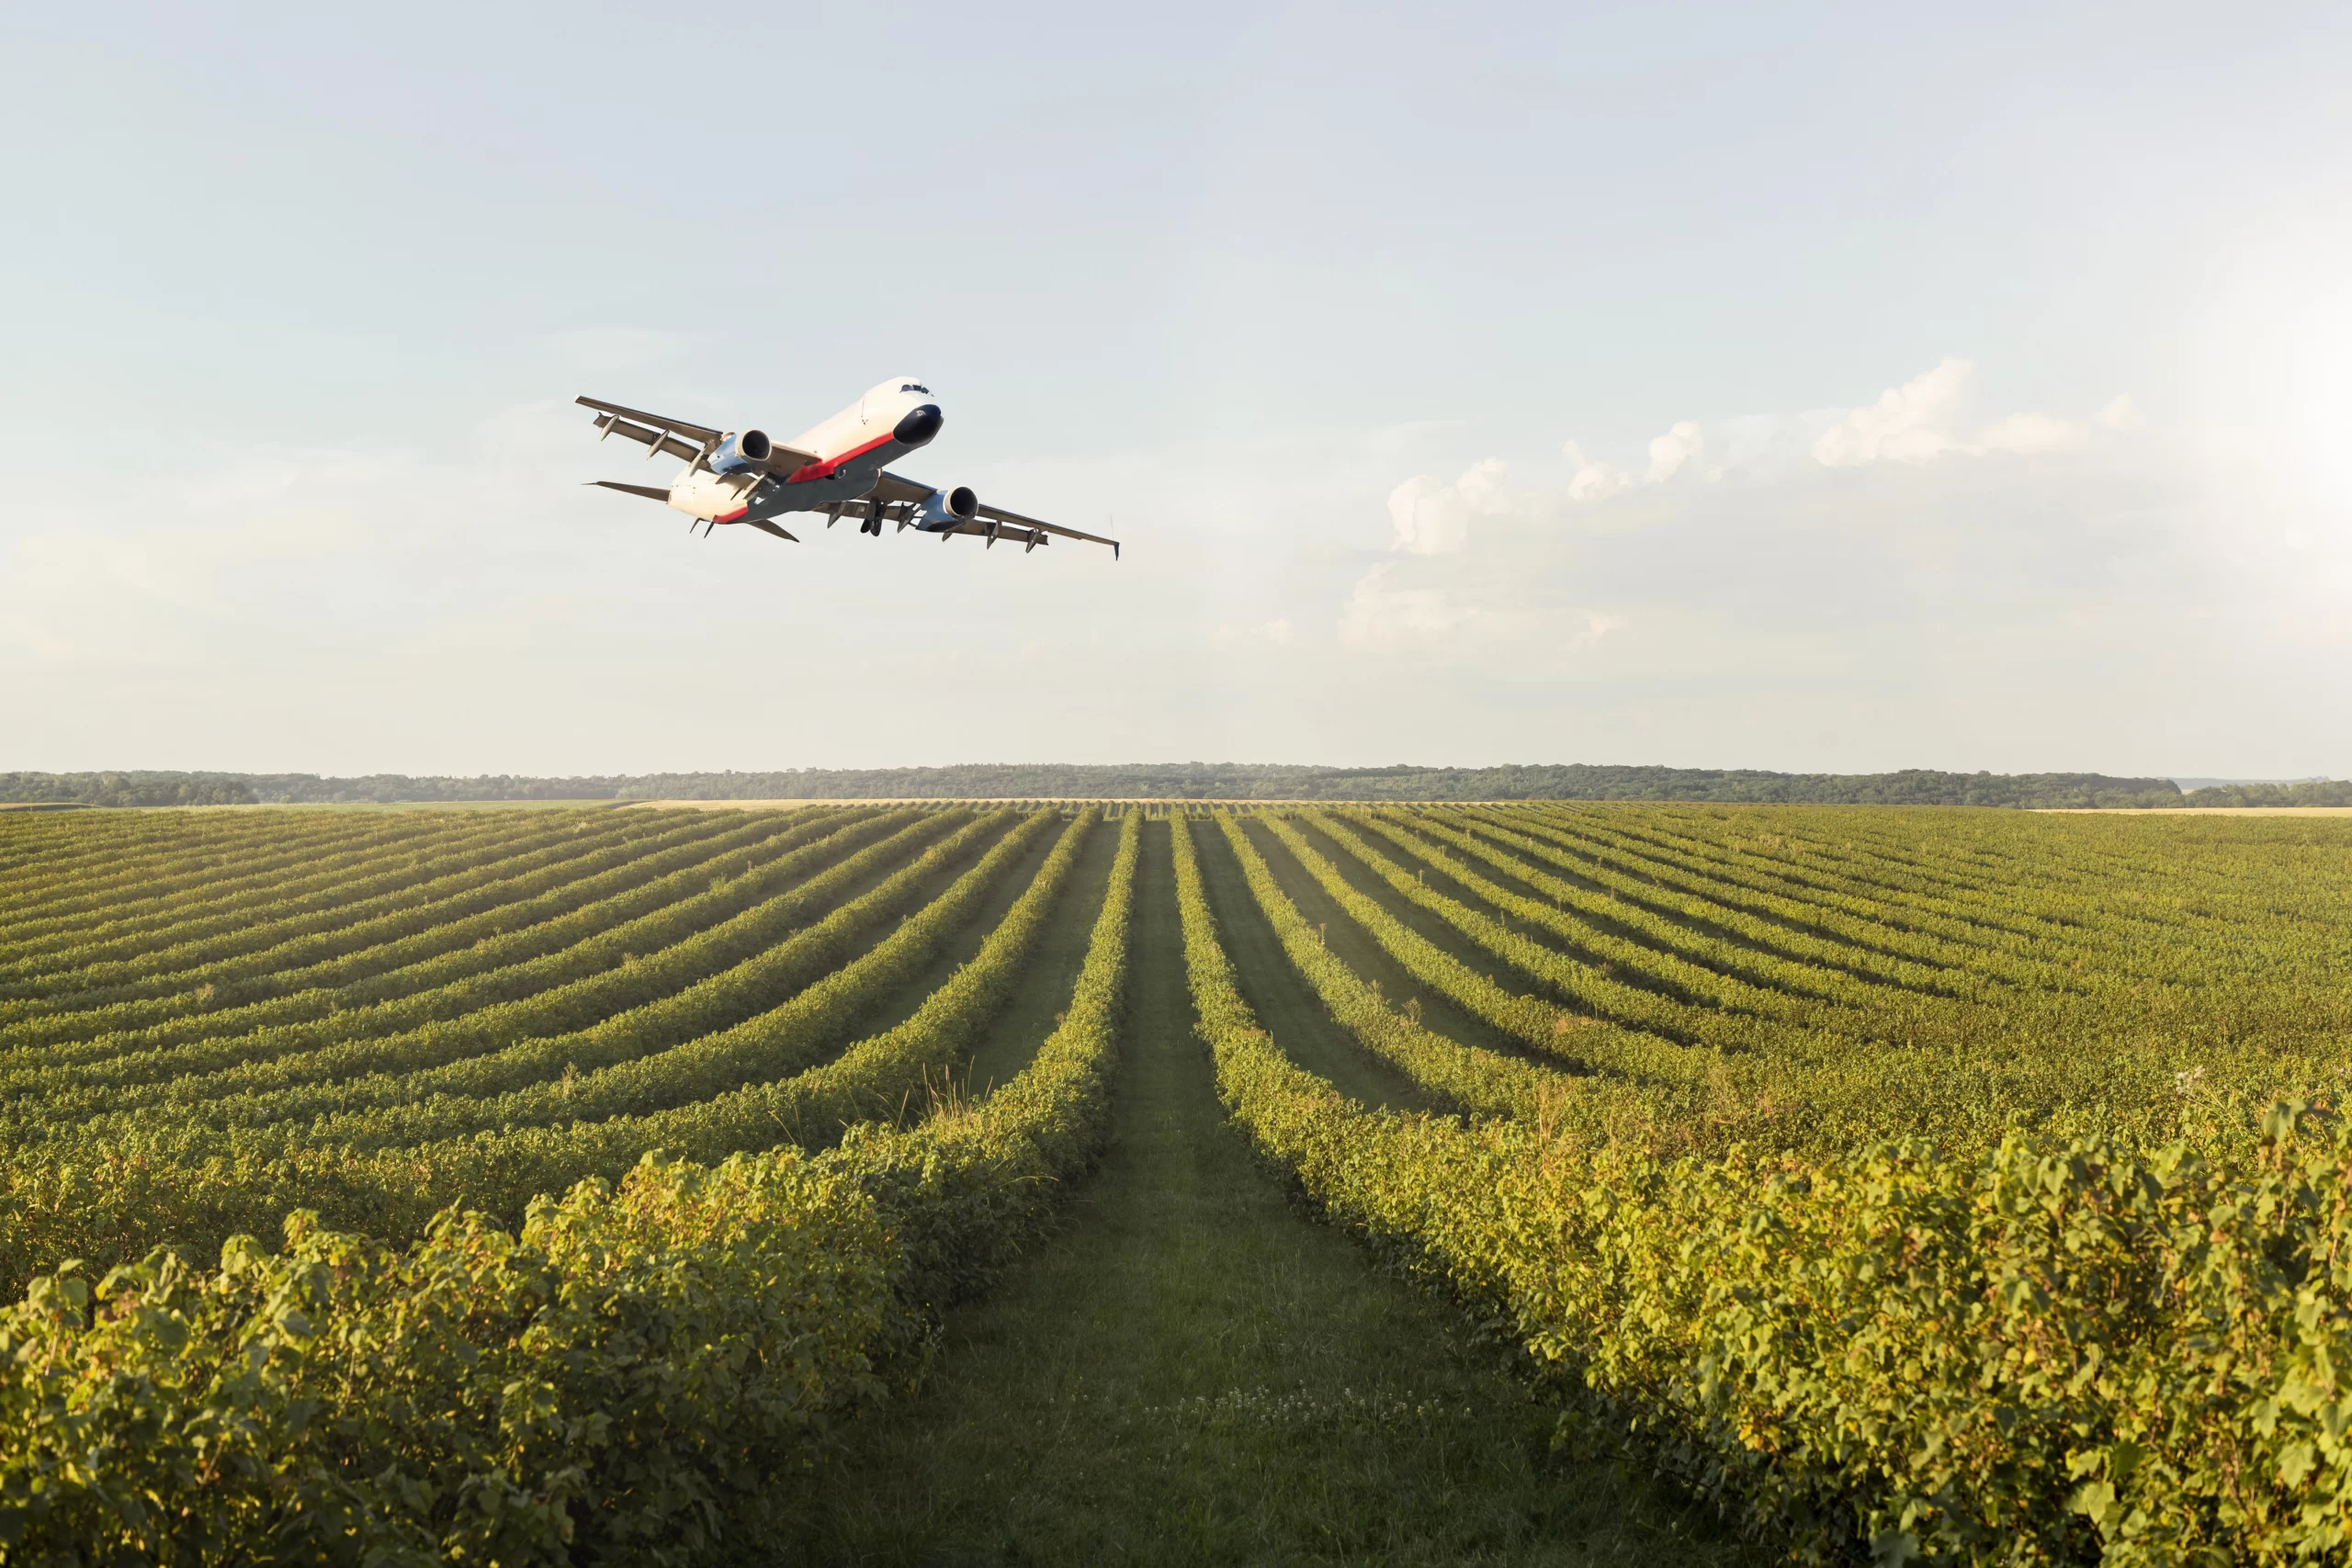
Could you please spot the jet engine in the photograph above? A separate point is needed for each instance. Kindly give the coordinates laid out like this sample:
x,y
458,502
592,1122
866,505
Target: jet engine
x,y
942,509
742,453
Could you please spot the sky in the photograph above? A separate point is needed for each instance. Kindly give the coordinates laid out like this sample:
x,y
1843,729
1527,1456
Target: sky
x,y
1819,388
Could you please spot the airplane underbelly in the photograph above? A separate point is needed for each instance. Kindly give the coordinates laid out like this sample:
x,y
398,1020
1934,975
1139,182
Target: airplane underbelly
x,y
810,494
851,481
725,498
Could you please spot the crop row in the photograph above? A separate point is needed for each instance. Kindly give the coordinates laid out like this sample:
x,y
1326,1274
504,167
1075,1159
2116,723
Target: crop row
x,y
767,1081
192,865
722,933
425,919
1469,1076
319,883
624,1377
297,870
1613,937
1595,1044
2055,1353
386,1150
687,879
2077,893
434,1079
1591,989
1743,910
2144,1062
1638,986
2277,939
385,897
878,1078
40,851
2189,979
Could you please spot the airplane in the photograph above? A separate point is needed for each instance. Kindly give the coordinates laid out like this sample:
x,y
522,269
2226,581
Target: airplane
x,y
836,468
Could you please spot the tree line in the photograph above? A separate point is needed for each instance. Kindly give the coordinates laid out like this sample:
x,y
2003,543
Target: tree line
x,y
1178,780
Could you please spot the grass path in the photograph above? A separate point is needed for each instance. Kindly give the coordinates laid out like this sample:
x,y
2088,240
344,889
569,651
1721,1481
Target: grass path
x,y
1051,973
1195,1373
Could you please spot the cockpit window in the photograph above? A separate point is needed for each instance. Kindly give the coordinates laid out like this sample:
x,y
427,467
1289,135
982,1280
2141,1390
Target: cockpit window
x,y
914,387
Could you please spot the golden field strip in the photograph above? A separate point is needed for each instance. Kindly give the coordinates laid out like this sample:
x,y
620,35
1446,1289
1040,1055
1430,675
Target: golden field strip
x,y
1948,1185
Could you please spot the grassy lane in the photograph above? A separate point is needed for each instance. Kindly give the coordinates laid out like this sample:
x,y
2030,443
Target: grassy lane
x,y
1051,973
1194,1373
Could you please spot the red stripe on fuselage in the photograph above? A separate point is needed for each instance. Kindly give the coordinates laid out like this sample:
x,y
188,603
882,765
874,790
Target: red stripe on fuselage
x,y
732,515
826,469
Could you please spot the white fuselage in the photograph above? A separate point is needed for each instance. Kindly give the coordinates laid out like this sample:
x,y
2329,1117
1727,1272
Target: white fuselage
x,y
849,449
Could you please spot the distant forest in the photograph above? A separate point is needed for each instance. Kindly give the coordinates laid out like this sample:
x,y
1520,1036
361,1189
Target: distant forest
x,y
1178,780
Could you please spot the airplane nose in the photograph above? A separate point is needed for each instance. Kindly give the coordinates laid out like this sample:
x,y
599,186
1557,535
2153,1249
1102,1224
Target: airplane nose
x,y
920,425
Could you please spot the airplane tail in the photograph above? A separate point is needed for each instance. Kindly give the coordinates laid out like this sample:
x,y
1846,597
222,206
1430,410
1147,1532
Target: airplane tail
x,y
651,493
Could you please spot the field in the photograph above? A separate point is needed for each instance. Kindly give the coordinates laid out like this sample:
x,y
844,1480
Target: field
x,y
902,1182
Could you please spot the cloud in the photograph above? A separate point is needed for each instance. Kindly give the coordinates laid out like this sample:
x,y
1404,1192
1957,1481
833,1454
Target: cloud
x,y
1426,518
1906,425
1494,613
1508,585
1594,480
1380,615
1678,451
1671,452
1921,421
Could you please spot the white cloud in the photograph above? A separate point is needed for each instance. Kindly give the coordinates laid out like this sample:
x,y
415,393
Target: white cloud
x,y
1671,452
1379,616
1426,518
1594,480
1482,613
1907,424
1678,451
1921,420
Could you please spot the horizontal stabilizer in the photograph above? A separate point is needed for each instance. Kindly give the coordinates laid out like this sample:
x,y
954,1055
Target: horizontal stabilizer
x,y
650,492
764,526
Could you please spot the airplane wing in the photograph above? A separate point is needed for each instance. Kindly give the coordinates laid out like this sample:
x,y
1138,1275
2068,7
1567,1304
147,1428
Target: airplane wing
x,y
658,432
994,522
